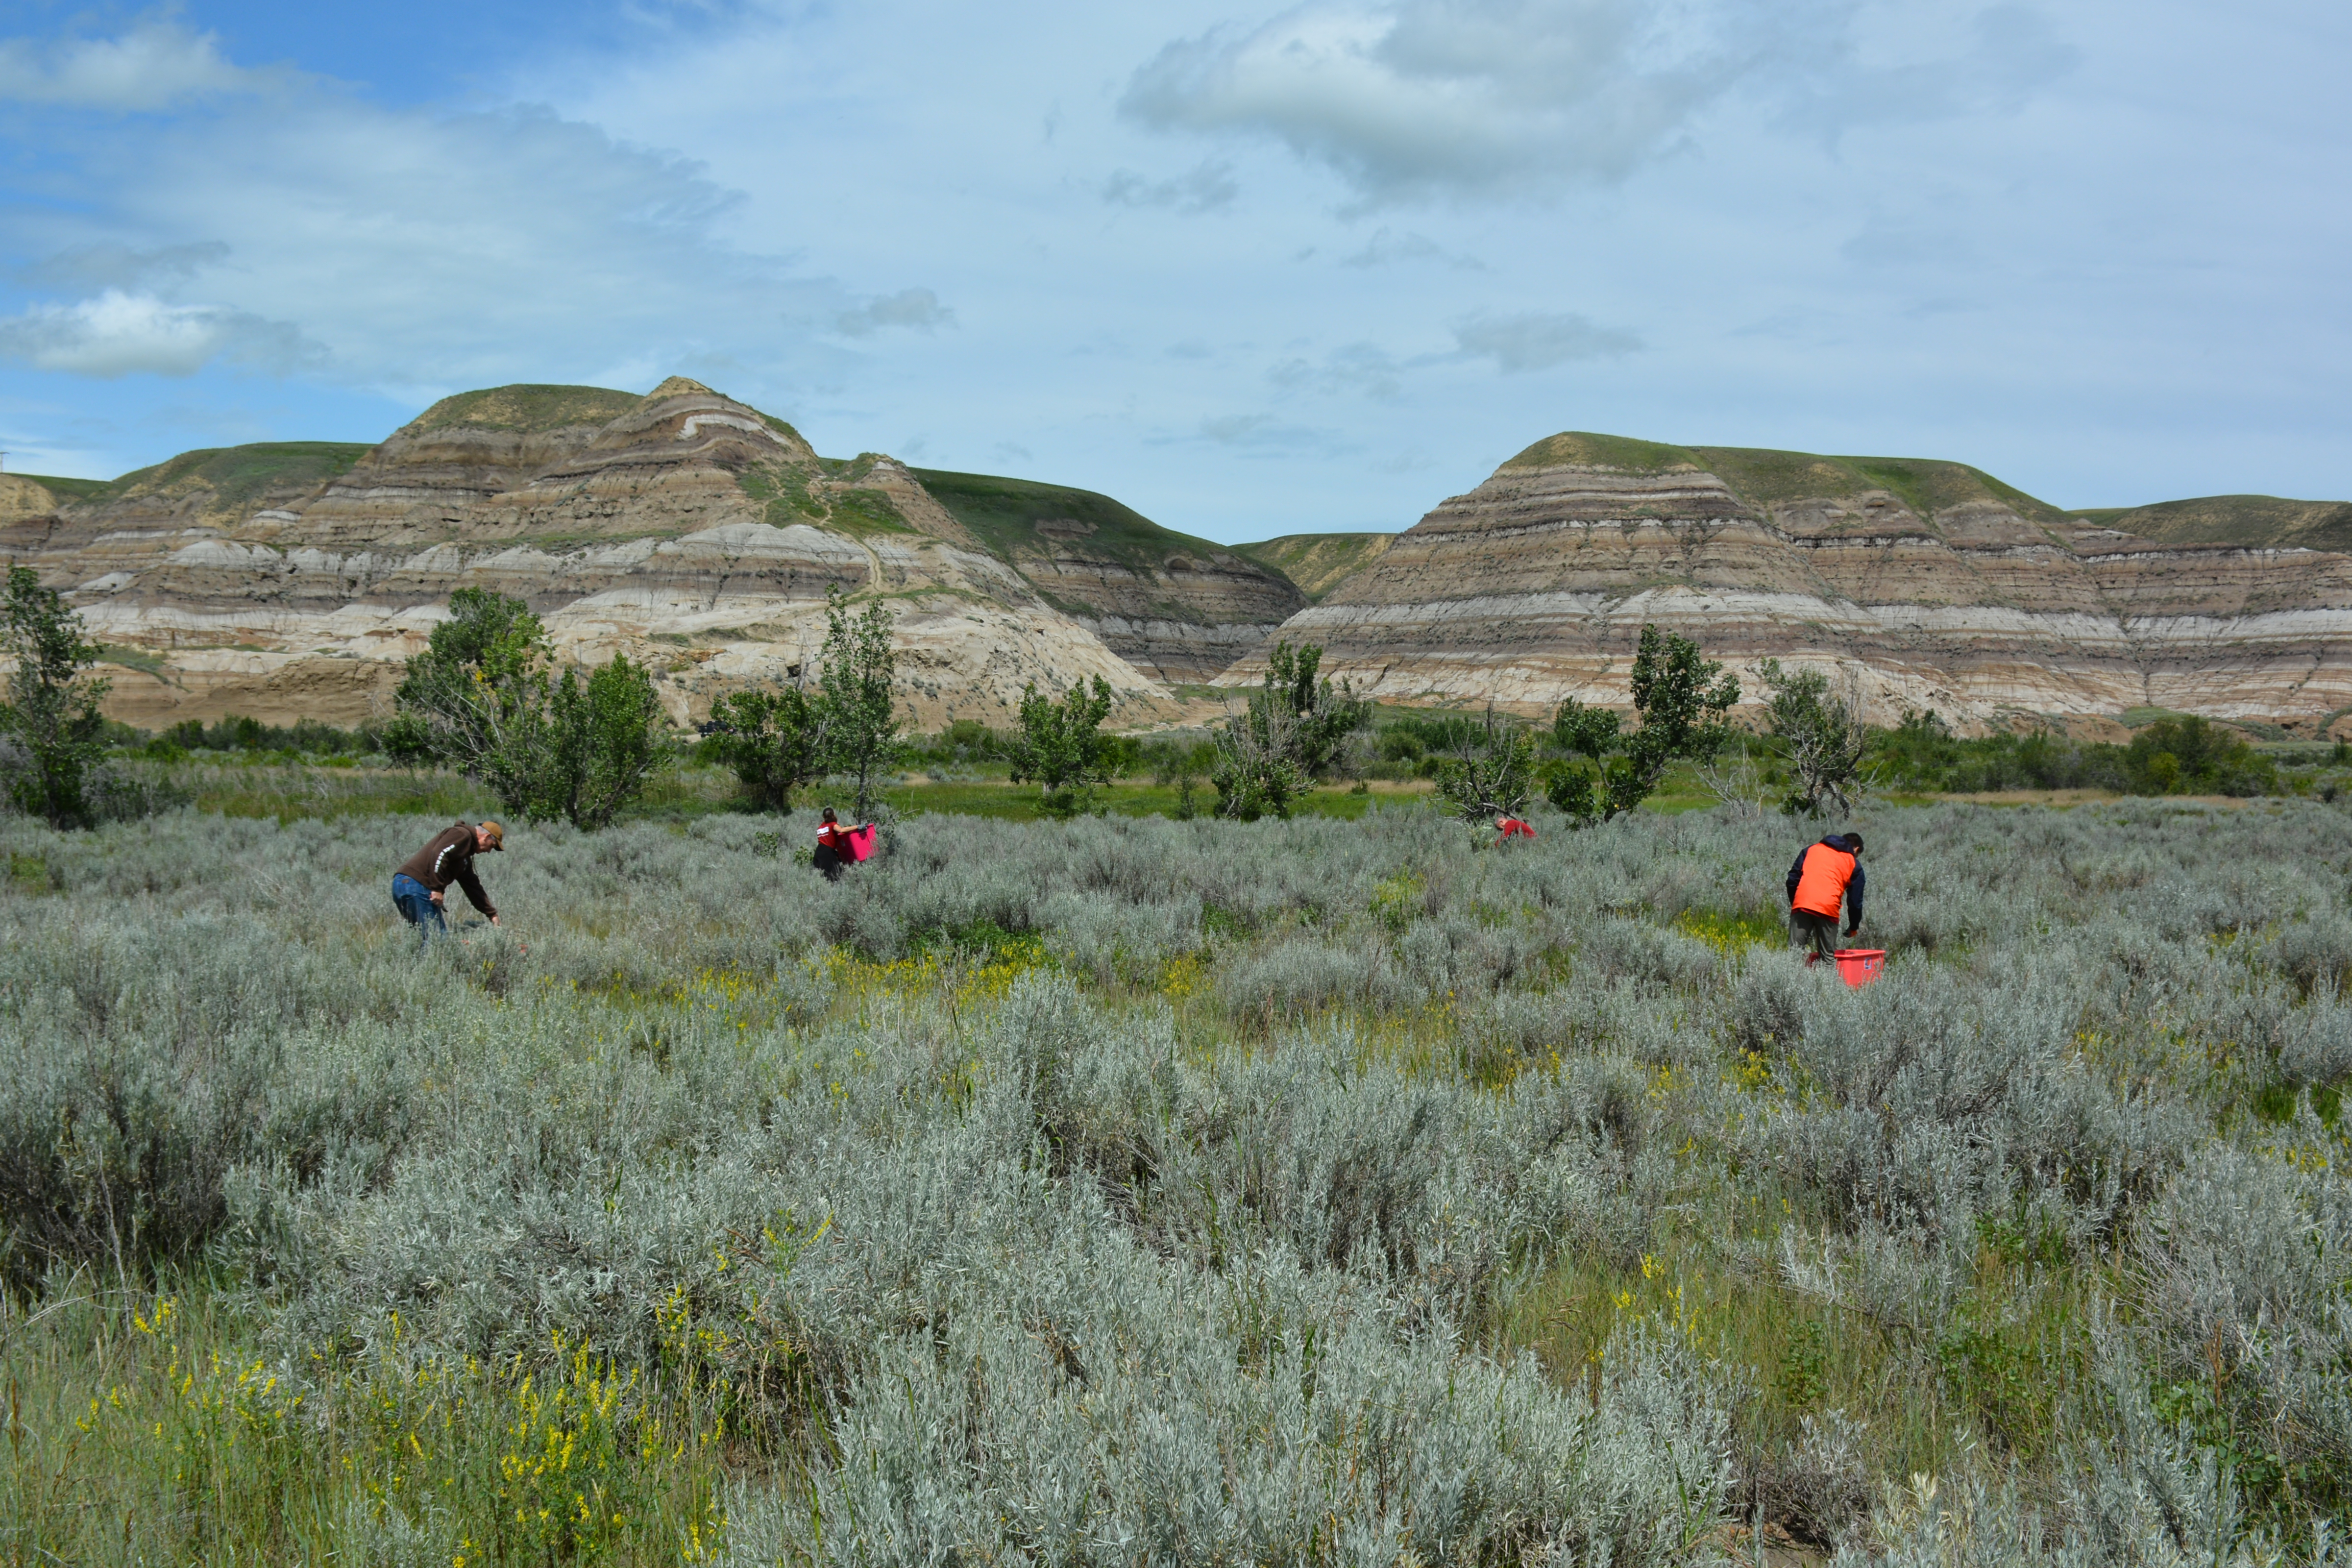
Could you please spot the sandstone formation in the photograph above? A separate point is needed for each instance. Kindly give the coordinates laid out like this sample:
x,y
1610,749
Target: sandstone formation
x,y
1932,584
23,498
2236,520
1181,609
684,528
1319,562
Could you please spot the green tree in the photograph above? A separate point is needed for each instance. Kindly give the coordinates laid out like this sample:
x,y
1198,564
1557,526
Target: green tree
x,y
592,744
482,698
1293,730
1326,715
1821,737
457,697
1061,746
861,725
1491,772
1680,697
2192,756
1256,770
774,741
52,717
1585,729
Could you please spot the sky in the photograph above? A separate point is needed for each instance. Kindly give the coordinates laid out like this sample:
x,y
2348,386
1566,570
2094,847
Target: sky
x,y
1254,270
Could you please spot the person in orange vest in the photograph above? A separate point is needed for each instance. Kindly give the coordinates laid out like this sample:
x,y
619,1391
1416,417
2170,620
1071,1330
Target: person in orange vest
x,y
1825,874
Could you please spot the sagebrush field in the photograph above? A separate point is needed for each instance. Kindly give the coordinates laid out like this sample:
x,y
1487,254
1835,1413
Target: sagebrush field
x,y
1135,1191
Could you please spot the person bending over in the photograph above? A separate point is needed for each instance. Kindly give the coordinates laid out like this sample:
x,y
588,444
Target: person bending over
x,y
1825,874
417,886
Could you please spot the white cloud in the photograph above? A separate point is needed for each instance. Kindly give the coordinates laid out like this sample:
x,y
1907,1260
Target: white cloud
x,y
118,334
153,66
1410,100
919,310
1535,340
413,252
1424,97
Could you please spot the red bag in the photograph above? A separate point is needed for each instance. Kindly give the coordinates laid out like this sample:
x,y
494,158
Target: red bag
x,y
861,842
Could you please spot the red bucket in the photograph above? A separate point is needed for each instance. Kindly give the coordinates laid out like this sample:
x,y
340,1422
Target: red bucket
x,y
1859,965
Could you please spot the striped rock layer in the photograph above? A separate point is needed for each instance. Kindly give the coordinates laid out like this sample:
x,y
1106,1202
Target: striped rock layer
x,y
687,530
1930,584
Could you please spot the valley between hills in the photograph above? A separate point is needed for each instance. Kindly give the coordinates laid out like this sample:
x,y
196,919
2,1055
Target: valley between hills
x,y
288,580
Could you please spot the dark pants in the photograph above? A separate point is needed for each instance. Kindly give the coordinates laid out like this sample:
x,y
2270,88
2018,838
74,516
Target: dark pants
x,y
417,908
1807,929
828,861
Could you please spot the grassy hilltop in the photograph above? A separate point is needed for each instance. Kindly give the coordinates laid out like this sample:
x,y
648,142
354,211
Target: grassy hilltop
x,y
1024,518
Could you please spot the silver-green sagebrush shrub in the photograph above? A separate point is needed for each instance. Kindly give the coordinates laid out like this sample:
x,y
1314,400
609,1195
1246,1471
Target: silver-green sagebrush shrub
x,y
1127,1189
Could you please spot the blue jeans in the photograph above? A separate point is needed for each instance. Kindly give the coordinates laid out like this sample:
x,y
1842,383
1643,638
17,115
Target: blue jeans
x,y
417,908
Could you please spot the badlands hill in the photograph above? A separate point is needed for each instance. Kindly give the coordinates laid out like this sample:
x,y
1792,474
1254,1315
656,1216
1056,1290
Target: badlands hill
x,y
682,527
2236,520
1934,584
1319,562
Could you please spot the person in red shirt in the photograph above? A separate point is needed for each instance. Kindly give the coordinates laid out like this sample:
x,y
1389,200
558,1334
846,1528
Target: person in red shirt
x,y
1507,827
837,847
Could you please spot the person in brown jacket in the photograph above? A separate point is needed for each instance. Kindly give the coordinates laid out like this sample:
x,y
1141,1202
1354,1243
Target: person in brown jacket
x,y
417,886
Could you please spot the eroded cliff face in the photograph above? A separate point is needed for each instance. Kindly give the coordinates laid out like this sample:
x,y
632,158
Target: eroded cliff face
x,y
1934,585
1179,608
685,528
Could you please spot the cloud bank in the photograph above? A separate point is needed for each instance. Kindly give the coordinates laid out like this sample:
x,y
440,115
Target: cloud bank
x,y
117,334
1483,97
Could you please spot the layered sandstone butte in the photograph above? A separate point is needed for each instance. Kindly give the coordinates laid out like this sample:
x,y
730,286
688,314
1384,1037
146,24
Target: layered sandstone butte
x,y
1934,585
1319,562
682,528
1181,609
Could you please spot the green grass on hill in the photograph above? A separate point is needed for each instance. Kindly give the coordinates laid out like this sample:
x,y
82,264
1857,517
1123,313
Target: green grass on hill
x,y
2236,520
1318,562
527,408
1926,485
69,491
240,478
1004,514
1587,449
1765,476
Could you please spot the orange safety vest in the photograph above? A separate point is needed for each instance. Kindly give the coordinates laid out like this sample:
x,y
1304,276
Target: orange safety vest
x,y
1821,890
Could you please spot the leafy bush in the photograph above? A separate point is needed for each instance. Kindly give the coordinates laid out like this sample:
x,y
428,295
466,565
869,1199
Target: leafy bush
x,y
859,723
1681,698
52,736
481,699
1293,730
774,741
1491,773
1819,733
1061,745
2191,756
304,737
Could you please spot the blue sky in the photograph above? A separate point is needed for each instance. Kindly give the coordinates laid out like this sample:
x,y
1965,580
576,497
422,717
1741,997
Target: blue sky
x,y
1254,270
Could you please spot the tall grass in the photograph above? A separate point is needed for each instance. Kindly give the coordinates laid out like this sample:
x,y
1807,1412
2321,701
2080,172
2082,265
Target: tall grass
x,y
1137,1189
